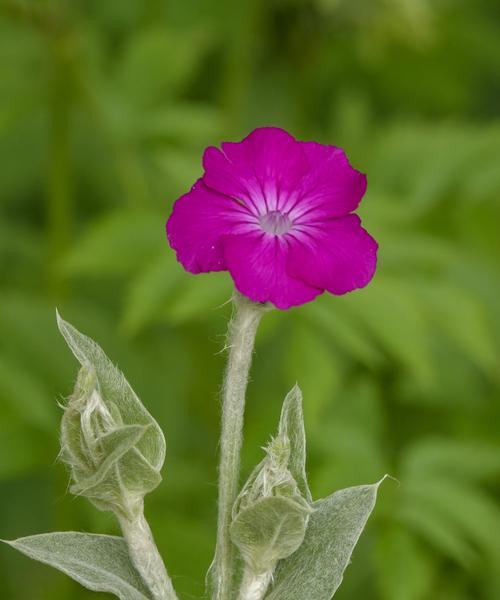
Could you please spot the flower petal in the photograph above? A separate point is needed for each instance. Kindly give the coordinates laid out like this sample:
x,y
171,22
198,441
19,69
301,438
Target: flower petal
x,y
257,263
331,187
262,170
337,255
198,220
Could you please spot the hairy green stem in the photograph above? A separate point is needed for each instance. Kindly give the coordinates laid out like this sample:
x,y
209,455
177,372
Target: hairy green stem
x,y
254,587
146,558
241,338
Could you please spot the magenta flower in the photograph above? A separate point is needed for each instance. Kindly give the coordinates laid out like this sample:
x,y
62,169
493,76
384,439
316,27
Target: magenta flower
x,y
277,214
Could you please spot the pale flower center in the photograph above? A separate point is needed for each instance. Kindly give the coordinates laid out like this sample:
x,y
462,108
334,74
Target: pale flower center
x,y
275,222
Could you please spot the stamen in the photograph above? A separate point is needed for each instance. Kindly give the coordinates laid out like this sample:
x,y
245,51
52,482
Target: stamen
x,y
275,222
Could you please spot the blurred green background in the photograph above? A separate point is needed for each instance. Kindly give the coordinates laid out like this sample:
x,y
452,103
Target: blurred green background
x,y
105,109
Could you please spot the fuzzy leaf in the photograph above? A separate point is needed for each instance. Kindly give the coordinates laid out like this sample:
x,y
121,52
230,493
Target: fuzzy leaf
x,y
98,562
292,427
269,530
315,570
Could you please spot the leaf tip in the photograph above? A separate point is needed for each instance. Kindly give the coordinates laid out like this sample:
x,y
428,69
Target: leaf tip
x,y
294,396
61,323
386,476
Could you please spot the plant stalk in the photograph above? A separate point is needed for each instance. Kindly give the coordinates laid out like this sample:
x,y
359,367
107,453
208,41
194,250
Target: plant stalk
x,y
241,337
254,587
146,558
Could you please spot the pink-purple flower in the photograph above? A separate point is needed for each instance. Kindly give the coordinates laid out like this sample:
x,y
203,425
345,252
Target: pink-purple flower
x,y
277,214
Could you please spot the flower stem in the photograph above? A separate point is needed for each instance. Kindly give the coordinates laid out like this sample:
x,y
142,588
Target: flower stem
x,y
146,558
241,338
254,587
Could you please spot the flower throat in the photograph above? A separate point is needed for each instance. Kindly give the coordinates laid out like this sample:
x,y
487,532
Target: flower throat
x,y
275,222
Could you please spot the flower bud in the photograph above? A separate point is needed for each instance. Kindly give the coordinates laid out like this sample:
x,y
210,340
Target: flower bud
x,y
270,515
112,445
271,477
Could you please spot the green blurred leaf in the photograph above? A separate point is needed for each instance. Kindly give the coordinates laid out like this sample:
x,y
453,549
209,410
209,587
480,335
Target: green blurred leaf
x,y
159,62
390,310
197,295
25,393
310,360
469,509
183,124
461,459
21,450
344,331
117,244
405,571
151,290
348,449
462,317
437,532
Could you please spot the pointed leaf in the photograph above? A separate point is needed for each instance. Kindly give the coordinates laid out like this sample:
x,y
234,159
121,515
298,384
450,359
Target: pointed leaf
x,y
292,426
315,570
98,562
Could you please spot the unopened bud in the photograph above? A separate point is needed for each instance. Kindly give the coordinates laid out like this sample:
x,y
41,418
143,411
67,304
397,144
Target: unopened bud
x,y
271,513
271,478
270,516
112,445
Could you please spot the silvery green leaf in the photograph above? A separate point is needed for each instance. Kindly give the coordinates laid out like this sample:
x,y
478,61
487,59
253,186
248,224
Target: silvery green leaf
x,y
269,530
315,570
98,562
292,427
116,392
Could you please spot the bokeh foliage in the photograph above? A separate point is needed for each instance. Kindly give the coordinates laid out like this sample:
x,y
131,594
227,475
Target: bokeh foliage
x,y
105,108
